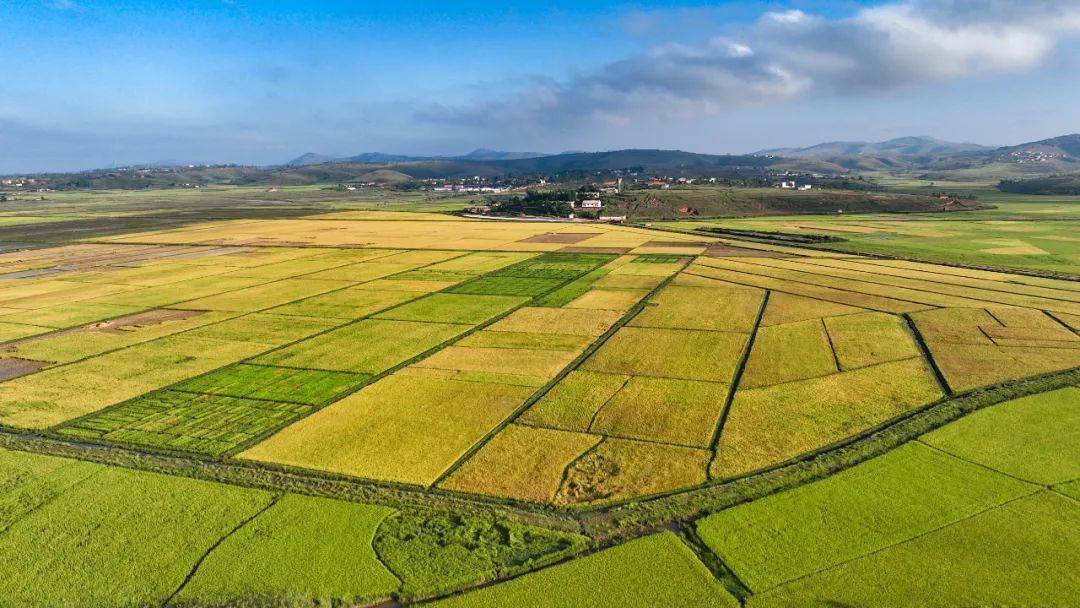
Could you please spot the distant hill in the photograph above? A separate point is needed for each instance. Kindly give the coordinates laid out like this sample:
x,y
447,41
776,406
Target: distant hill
x,y
479,154
940,159
482,154
901,146
309,158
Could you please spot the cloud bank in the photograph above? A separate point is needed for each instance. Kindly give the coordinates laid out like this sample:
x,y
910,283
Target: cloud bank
x,y
789,55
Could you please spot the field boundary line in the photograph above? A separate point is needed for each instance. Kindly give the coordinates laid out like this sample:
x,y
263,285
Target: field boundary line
x,y
565,371
722,572
736,379
199,562
982,465
832,347
1060,322
927,356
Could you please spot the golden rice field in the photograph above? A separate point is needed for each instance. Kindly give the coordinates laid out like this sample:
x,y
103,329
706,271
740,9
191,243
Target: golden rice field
x,y
569,364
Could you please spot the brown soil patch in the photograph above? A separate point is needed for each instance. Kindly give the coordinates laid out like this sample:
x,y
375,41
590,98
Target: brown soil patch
x,y
142,319
15,367
560,237
616,250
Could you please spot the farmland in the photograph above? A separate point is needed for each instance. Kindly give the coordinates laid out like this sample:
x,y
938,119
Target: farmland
x,y
352,404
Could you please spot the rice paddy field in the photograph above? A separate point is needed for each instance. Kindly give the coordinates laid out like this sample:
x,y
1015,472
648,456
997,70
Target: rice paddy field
x,y
350,405
1022,232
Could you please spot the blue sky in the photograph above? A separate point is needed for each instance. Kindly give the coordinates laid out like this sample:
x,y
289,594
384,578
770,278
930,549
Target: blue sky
x,y
90,84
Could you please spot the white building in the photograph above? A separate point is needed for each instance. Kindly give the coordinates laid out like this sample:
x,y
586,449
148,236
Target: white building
x,y
805,187
787,185
591,203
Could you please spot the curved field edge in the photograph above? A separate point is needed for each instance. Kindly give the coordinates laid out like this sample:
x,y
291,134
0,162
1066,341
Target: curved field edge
x,y
614,520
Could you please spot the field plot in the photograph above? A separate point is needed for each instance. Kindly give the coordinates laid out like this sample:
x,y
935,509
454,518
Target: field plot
x,y
901,495
141,532
657,570
403,428
1020,554
303,548
413,425
976,347
1036,438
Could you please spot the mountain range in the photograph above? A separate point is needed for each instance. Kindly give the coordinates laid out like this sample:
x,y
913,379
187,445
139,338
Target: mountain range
x,y
922,157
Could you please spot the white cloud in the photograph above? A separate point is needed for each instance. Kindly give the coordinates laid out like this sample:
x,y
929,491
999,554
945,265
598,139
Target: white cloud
x,y
788,54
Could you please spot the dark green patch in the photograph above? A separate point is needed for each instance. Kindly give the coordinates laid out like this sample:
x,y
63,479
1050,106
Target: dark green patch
x,y
185,422
302,386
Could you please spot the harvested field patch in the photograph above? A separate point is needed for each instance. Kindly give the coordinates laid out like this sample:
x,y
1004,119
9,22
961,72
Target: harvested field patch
x,y
907,492
789,352
683,412
15,367
521,462
1036,438
568,321
767,426
291,385
185,422
572,403
788,308
402,428
669,353
657,570
307,549
623,468
453,308
870,338
370,346
720,308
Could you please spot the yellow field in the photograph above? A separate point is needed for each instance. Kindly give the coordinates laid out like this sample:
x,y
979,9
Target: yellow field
x,y
472,357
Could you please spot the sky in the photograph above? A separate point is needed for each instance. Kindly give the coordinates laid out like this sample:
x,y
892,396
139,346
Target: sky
x,y
89,84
